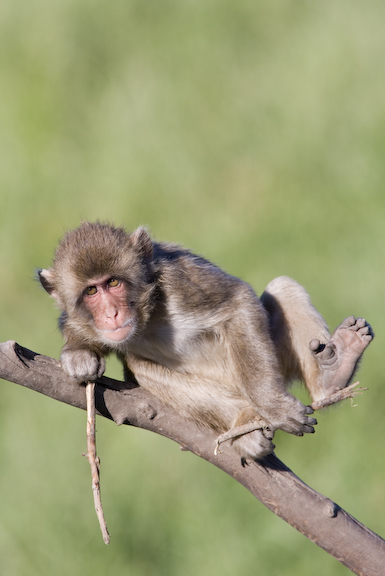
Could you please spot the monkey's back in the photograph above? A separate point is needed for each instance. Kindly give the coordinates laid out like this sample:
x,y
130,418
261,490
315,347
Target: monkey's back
x,y
197,283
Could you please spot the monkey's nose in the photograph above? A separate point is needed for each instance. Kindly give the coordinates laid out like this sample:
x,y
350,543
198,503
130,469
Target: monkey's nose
x,y
111,312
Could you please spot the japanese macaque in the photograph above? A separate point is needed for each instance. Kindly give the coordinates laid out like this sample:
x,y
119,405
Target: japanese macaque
x,y
194,336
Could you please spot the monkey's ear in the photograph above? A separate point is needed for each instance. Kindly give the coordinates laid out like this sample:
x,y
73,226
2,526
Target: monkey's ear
x,y
142,242
46,280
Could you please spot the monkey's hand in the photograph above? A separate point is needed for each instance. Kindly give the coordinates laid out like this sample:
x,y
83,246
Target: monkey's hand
x,y
81,364
300,424
291,416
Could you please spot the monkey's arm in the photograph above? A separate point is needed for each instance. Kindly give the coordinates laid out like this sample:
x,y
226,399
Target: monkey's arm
x,y
315,516
259,374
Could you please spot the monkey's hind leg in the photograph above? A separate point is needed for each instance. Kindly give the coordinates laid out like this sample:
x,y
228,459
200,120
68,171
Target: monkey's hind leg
x,y
338,359
328,363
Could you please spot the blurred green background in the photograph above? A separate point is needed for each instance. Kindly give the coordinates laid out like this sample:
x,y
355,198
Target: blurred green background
x,y
252,132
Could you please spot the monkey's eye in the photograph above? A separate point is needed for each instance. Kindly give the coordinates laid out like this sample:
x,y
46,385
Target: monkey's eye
x,y
112,282
91,290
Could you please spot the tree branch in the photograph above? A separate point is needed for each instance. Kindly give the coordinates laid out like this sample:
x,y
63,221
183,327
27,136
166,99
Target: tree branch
x,y
277,487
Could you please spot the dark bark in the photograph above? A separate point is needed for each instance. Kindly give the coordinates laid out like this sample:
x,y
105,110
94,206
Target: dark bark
x,y
314,515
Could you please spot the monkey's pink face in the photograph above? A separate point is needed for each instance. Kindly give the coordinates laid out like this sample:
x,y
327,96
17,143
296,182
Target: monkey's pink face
x,y
107,300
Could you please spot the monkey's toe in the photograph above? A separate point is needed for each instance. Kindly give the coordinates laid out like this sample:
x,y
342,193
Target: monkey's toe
x,y
308,429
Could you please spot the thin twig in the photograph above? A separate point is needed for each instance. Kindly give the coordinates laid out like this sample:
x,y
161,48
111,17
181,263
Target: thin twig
x,y
94,460
237,431
349,392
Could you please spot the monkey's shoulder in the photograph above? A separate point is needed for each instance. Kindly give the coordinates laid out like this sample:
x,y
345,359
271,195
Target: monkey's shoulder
x,y
194,282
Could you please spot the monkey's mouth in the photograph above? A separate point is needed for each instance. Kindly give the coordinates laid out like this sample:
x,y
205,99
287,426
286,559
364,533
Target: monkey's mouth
x,y
120,333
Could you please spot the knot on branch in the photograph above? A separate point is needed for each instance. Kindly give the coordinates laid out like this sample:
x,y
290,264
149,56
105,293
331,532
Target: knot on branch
x,y
146,410
331,509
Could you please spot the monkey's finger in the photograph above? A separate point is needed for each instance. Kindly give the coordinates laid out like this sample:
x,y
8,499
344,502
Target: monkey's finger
x,y
268,433
311,421
102,367
309,410
292,426
297,428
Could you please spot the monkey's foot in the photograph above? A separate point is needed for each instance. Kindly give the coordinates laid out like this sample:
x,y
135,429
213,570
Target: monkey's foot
x,y
252,440
338,359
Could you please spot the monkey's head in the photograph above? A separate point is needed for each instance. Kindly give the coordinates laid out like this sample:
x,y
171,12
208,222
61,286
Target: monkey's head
x,y
103,282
